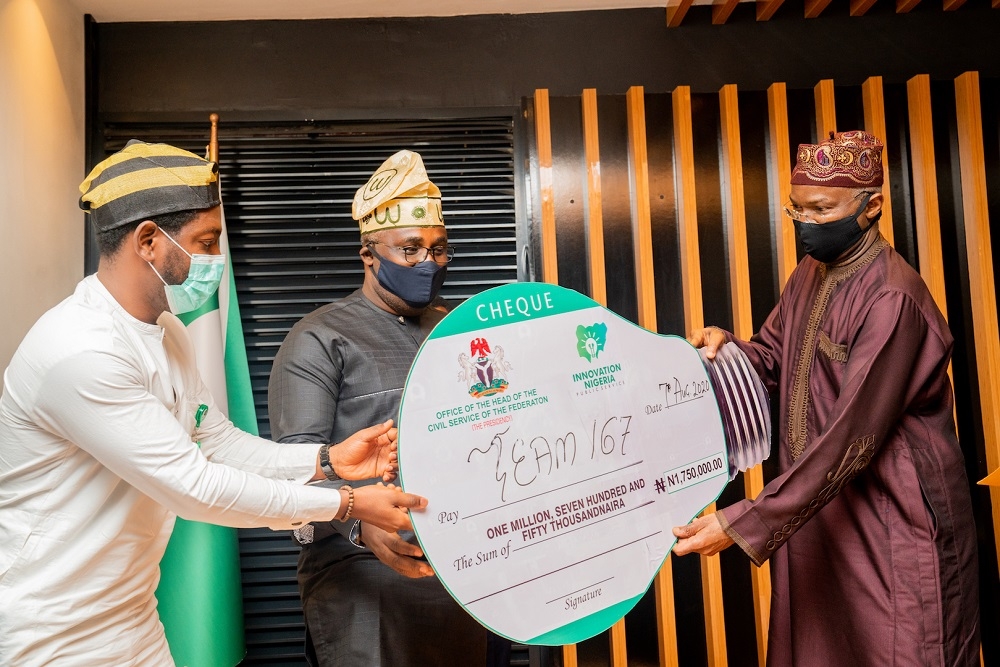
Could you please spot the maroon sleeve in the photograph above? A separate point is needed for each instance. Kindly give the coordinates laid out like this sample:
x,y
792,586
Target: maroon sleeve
x,y
883,372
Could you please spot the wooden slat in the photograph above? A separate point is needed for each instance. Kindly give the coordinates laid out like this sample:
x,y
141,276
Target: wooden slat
x,y
735,212
874,105
739,277
721,9
780,168
666,624
619,657
904,6
569,655
543,140
815,7
593,216
861,7
676,9
642,235
711,598
687,215
925,193
826,110
767,8
952,5
981,286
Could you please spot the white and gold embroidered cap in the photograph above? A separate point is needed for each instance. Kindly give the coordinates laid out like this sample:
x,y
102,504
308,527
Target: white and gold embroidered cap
x,y
399,194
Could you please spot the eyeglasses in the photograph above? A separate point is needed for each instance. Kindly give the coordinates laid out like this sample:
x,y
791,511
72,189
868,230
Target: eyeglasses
x,y
798,216
414,254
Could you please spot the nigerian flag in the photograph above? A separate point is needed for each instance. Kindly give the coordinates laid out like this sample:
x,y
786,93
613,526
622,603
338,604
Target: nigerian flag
x,y
200,598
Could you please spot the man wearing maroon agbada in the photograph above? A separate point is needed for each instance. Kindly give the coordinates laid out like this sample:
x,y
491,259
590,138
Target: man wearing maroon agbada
x,y
869,525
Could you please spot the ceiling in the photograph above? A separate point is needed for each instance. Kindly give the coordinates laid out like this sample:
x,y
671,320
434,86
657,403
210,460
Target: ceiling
x,y
111,11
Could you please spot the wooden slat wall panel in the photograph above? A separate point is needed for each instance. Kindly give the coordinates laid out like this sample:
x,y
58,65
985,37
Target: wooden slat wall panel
x,y
694,268
874,104
826,110
981,276
739,277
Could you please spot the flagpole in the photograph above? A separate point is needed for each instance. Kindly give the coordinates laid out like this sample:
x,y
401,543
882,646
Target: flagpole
x,y
213,139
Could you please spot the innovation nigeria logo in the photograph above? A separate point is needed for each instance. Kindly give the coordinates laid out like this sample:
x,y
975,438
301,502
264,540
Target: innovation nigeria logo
x,y
590,340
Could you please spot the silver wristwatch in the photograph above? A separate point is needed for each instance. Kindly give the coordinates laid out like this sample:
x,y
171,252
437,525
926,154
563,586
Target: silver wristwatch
x,y
355,535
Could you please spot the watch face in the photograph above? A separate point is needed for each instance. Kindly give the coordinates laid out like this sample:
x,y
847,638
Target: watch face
x,y
355,535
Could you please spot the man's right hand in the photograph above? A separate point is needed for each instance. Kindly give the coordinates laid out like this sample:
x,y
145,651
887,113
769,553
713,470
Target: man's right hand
x,y
395,552
711,338
385,506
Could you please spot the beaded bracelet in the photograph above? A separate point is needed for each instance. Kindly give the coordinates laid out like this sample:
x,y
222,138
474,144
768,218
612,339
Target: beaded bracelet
x,y
350,503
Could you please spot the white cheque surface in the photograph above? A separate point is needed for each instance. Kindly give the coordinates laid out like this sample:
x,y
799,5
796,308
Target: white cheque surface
x,y
557,445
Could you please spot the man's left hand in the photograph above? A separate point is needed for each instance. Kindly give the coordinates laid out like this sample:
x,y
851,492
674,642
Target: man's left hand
x,y
371,452
704,536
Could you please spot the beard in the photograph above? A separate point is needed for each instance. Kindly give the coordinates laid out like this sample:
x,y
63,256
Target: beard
x,y
175,271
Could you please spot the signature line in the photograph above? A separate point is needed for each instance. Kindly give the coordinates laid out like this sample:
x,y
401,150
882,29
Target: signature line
x,y
579,590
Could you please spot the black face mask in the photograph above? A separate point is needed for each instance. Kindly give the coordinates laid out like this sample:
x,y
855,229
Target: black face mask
x,y
417,285
827,241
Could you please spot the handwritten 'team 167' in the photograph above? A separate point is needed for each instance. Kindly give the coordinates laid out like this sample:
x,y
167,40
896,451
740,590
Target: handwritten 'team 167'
x,y
523,460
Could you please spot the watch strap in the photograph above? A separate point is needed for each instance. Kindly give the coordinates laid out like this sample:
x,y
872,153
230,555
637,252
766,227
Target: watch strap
x,y
324,464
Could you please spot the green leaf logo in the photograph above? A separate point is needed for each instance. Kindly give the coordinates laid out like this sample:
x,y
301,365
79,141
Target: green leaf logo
x,y
590,340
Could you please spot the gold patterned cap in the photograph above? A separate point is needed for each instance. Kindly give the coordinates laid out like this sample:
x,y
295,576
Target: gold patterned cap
x,y
143,181
398,194
845,160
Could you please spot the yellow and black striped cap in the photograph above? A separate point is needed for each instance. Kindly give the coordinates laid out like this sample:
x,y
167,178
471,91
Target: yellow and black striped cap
x,y
145,180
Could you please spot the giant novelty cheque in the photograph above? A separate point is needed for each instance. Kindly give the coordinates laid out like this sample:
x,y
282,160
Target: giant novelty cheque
x,y
558,443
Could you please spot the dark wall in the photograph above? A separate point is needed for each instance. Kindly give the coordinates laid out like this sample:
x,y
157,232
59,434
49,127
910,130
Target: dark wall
x,y
394,67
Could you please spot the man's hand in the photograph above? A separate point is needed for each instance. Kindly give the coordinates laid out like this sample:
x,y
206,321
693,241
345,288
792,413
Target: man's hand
x,y
371,452
711,338
385,506
395,552
704,536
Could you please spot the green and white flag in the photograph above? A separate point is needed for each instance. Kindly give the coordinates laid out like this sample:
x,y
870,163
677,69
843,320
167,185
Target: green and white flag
x,y
200,600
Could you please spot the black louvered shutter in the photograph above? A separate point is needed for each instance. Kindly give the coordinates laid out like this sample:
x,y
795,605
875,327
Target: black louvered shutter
x,y
287,190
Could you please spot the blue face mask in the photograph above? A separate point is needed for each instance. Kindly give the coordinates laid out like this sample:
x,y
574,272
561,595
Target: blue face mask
x,y
201,283
417,285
